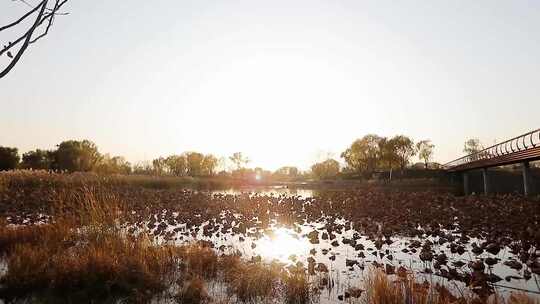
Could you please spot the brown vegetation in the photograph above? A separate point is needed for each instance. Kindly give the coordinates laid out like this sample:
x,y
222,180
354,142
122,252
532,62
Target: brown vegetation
x,y
404,288
70,238
82,254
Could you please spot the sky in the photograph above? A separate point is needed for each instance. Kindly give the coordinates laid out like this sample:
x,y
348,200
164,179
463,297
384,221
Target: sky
x,y
284,82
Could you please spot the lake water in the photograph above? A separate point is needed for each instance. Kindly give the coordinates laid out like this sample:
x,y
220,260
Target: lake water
x,y
347,261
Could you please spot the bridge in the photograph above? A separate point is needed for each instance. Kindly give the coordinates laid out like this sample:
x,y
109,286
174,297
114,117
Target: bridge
x,y
522,149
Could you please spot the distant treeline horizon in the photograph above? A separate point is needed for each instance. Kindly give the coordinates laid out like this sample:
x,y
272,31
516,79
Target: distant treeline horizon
x,y
363,158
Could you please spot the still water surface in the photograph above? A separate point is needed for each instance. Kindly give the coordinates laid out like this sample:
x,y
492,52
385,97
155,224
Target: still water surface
x,y
347,263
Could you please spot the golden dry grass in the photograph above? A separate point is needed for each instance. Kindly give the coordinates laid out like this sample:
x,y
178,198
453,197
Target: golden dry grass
x,y
250,282
83,250
193,291
49,234
405,289
298,289
83,254
199,259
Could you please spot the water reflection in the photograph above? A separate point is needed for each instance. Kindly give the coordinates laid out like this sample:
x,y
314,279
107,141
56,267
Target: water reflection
x,y
275,191
280,244
346,252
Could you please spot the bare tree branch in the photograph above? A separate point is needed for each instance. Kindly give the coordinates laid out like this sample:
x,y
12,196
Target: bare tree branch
x,y
12,44
50,16
46,15
22,18
51,19
26,41
24,1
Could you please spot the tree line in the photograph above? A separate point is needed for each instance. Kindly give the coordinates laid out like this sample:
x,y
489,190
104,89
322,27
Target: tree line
x,y
185,164
84,156
373,153
68,156
364,157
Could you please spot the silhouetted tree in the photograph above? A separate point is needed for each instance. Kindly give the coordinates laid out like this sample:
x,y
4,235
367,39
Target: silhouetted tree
x,y
42,16
159,165
209,164
472,145
9,158
38,160
73,155
239,160
425,151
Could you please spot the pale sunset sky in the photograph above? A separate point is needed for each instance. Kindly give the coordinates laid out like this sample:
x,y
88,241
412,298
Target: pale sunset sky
x,y
284,82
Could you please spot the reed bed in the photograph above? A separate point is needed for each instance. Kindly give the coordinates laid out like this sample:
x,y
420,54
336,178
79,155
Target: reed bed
x,y
405,288
70,239
83,254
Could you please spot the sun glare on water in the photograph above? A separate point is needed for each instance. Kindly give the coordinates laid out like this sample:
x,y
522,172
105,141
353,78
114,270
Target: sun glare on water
x,y
282,244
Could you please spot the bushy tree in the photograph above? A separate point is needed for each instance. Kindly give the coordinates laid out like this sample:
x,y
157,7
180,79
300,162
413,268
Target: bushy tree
x,y
113,165
188,163
363,154
373,152
73,155
176,165
404,148
9,158
38,160
326,169
194,163
388,157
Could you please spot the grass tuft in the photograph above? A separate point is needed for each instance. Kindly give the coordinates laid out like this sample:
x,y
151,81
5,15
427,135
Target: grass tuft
x,y
200,260
193,292
251,282
297,287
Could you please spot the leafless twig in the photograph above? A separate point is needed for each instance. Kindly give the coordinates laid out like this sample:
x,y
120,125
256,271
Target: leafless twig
x,y
44,15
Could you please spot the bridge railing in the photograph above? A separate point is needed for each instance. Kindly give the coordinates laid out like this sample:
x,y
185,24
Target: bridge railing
x,y
520,143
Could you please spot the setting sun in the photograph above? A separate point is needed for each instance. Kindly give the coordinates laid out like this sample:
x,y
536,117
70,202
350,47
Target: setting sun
x,y
248,151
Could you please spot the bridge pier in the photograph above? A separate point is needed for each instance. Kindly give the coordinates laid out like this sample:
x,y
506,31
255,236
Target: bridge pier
x,y
465,182
485,177
521,149
526,178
